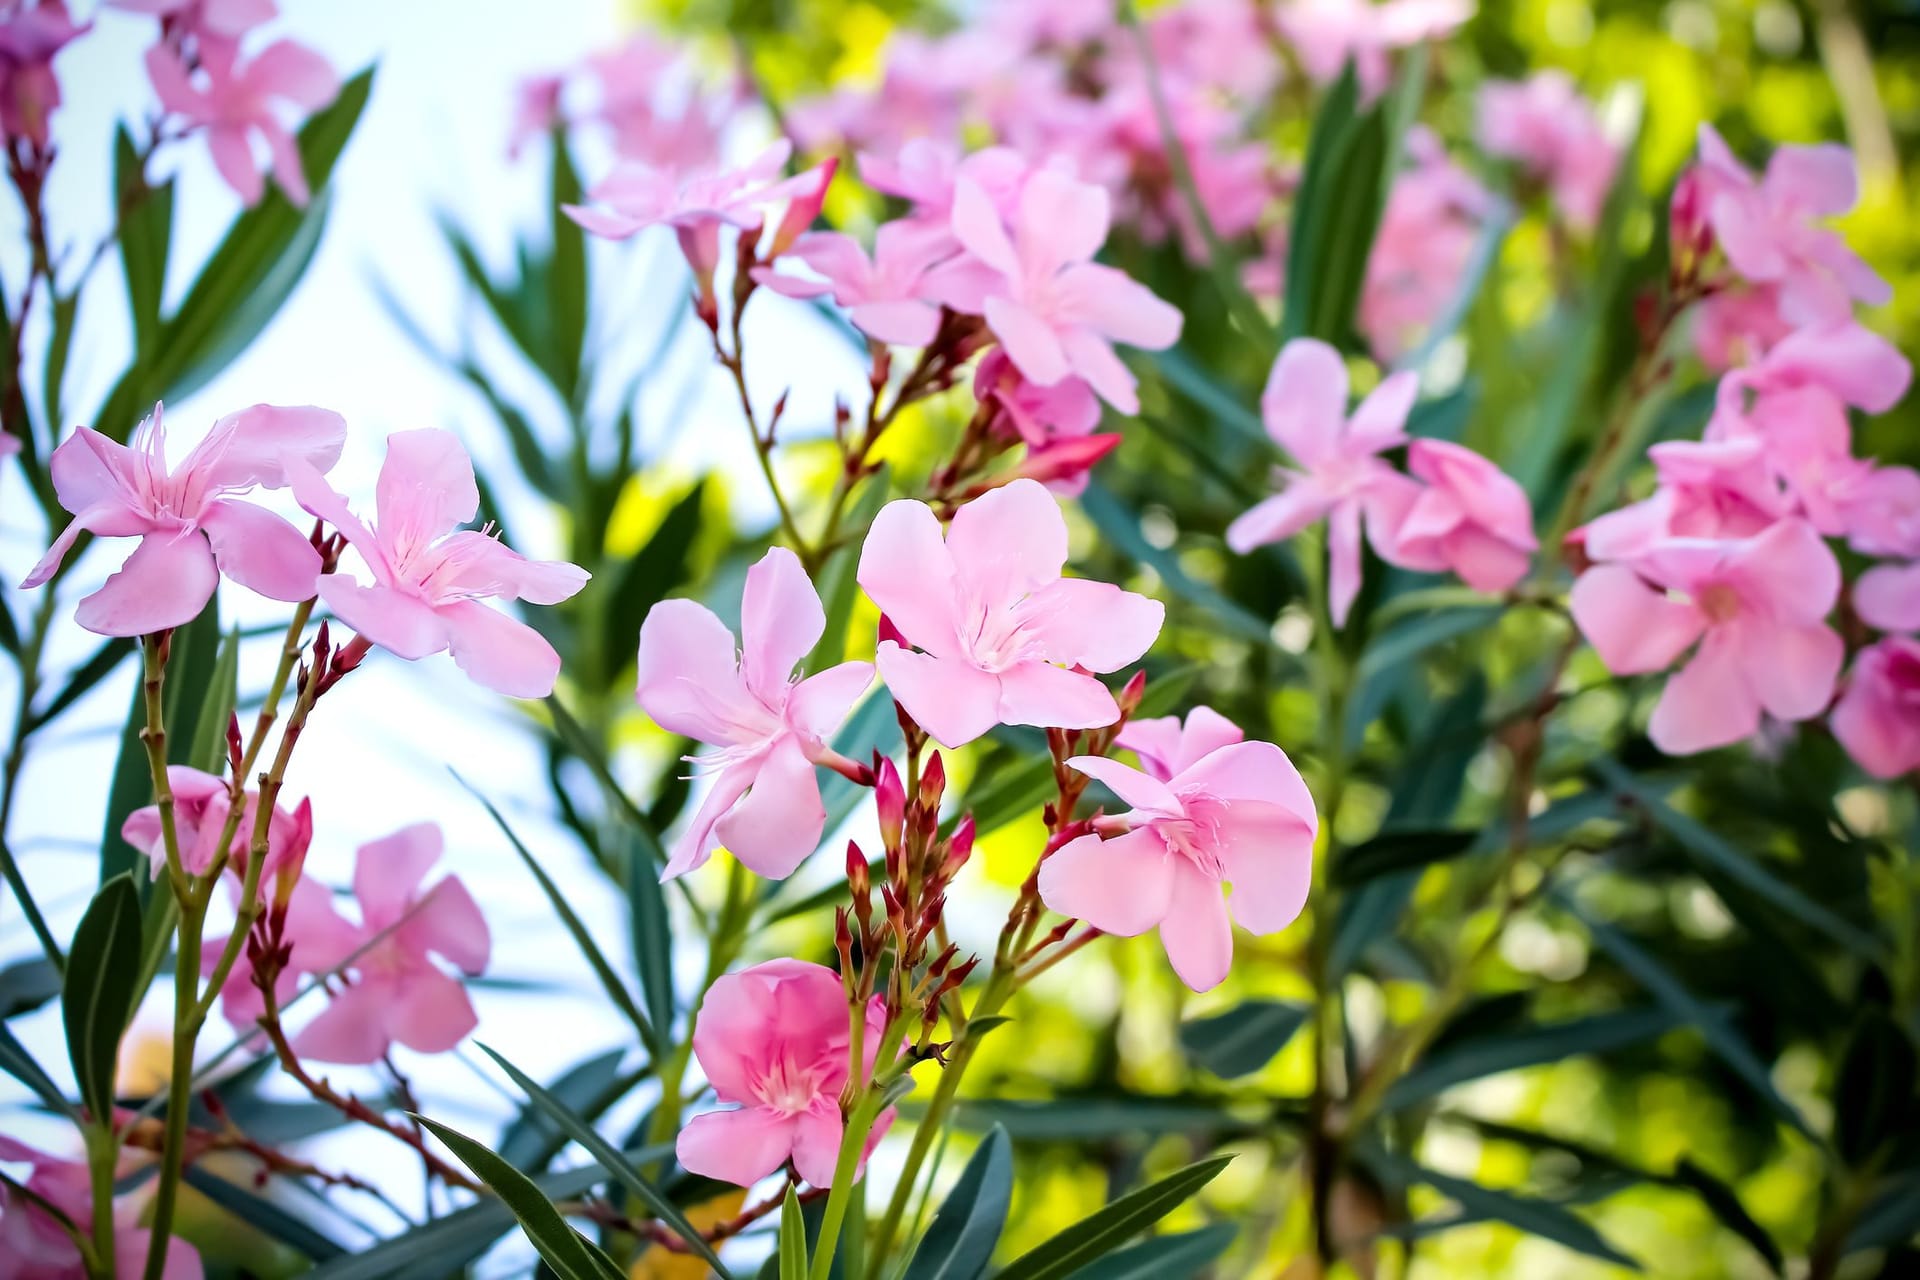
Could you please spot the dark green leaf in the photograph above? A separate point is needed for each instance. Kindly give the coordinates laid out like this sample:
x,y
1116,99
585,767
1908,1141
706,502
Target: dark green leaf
x,y
1542,1218
793,1238
209,743
531,1140
1725,1205
1096,1119
1121,529
529,452
18,1063
1336,210
263,1215
97,998
97,666
1475,1056
27,985
1242,1040
145,235
1176,1257
566,272
838,589
655,570
1873,1099
1111,1227
1400,849
1400,645
650,925
1892,1217
569,1253
960,1242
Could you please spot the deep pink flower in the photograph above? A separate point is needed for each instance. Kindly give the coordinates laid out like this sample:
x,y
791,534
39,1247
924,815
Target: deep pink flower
x,y
227,19
1240,814
1770,229
1037,414
397,993
33,1244
237,101
770,727
885,294
1707,489
430,576
774,1040
990,616
1327,34
200,811
30,36
1055,310
1878,716
190,526
1065,465
1552,132
1341,477
1806,443
1166,746
1470,518
1756,607
1846,359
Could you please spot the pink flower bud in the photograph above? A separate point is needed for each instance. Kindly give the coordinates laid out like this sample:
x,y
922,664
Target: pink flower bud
x,y
802,209
891,798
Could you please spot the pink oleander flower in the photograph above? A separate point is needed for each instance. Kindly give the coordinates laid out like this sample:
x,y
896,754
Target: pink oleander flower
x,y
770,728
1429,232
884,294
1878,716
1218,43
9,444
1884,516
1769,228
536,111
319,938
200,811
35,1246
990,617
774,1040
1552,132
1707,489
1735,326
190,524
1756,609
1845,359
238,101
1239,814
430,576
1166,746
925,173
226,19
1066,465
1887,597
1471,518
397,993
1806,443
1056,311
1038,415
1341,477
30,36
1327,34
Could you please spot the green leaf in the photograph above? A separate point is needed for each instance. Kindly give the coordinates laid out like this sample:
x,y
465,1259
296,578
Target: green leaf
x,y
1892,1217
1176,1257
654,570
1400,849
1477,1056
569,1253
793,1238
650,926
1097,1118
838,589
960,1242
1121,529
18,1063
1400,645
1710,849
145,236
1542,1218
209,747
263,1215
26,985
1336,212
97,666
531,1140
609,981
1873,1099
1242,1040
566,272
97,998
1120,1221
612,1161
1725,1205
529,451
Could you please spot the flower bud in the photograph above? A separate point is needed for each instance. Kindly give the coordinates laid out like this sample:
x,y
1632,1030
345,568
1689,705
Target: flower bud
x,y
891,800
959,846
802,209
1130,696
933,782
889,632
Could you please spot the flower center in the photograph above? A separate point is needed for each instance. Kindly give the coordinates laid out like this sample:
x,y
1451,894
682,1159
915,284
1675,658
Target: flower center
x,y
788,1087
1719,602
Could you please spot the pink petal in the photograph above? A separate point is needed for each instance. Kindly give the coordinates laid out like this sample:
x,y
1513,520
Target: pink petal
x,y
260,551
1091,624
1792,568
351,1030
91,472
429,1011
1007,542
780,820
1060,221
85,522
130,1248
1275,519
296,73
318,498
1196,931
387,871
696,843
1707,703
1118,307
1029,340
1887,597
401,624
1486,563
905,323
1305,401
1134,786
1267,854
1118,886
426,487
819,704
501,653
172,85
1792,669
1633,627
165,583
1878,717
740,1147
688,679
816,1142
450,925
252,446
1166,746
289,170
1818,180
976,222
1250,771
233,158
1343,559
780,621
1050,697
1380,420
953,700
907,570
1092,357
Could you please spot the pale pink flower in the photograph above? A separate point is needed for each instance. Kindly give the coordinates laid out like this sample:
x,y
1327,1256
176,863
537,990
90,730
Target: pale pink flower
x,y
1327,34
1756,608
1846,359
990,617
430,576
1470,518
238,100
1883,518
883,294
226,19
1429,232
1887,597
1239,814
191,527
318,938
34,1245
1217,43
1055,310
30,36
1546,126
770,727
1878,716
774,1040
397,991
1341,477
1734,326
1167,746
1707,489
926,173
536,111
200,810
1771,232
1806,442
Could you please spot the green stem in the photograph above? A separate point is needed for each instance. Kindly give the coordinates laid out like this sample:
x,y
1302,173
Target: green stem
x,y
103,1154
23,728
1337,679
187,1021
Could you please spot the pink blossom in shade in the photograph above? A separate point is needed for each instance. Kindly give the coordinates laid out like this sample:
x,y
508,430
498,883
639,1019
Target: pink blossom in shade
x,y
1878,716
227,19
398,991
1752,611
768,727
1470,518
1847,360
319,938
1218,43
1887,597
35,1246
774,1043
1067,410
1327,34
1340,477
926,172
1056,311
30,36
1883,518
239,100
201,806
536,111
191,525
1807,443
1546,126
1239,815
1428,235
1707,489
430,577
882,294
1000,637
1770,228
1167,745
1735,326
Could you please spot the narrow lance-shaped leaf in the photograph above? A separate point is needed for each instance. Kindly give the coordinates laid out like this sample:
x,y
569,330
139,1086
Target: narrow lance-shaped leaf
x,y
793,1238
960,1242
1538,1217
1111,1227
1244,1039
97,998
1185,1254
